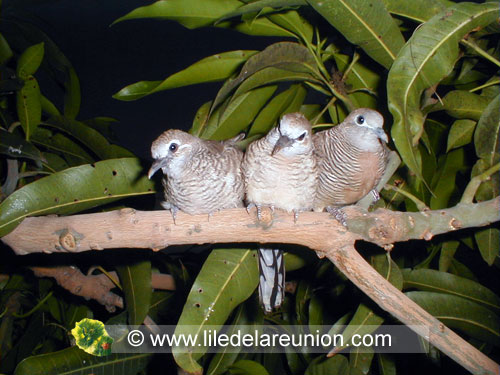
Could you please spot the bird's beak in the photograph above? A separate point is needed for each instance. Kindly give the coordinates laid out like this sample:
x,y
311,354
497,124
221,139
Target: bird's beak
x,y
157,164
381,134
283,142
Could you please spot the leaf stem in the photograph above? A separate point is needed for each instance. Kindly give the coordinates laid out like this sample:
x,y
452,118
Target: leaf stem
x,y
487,84
39,304
421,206
475,182
480,51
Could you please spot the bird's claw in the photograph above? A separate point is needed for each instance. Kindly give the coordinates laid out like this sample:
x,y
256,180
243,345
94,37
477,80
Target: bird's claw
x,y
295,216
173,211
338,214
259,210
376,195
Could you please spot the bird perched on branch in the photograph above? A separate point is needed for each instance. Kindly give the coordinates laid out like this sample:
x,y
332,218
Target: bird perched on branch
x,y
280,172
200,176
351,157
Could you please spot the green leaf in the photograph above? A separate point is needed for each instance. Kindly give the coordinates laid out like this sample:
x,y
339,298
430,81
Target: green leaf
x,y
15,147
460,134
49,107
287,101
426,59
463,104
103,125
247,316
419,11
247,367
29,107
443,282
89,137
338,365
370,27
461,314
29,61
75,361
490,188
5,50
271,75
262,27
385,266
72,96
136,283
386,364
444,181
486,137
447,255
189,13
488,241
294,23
239,113
359,77
360,360
200,119
60,143
287,55
263,5
227,278
210,69
55,162
364,321
74,190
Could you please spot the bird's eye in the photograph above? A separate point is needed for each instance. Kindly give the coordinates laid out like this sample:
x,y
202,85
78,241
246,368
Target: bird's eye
x,y
360,120
301,137
173,147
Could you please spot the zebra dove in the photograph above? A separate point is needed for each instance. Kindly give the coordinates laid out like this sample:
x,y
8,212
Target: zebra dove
x,y
280,172
200,176
351,161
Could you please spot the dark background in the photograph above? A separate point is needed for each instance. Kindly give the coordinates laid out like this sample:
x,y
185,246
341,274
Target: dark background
x,y
106,59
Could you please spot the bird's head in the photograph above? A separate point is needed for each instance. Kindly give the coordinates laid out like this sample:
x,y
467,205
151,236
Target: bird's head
x,y
369,119
294,135
171,150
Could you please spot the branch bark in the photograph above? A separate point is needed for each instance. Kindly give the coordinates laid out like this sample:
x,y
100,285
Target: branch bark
x,y
97,287
128,228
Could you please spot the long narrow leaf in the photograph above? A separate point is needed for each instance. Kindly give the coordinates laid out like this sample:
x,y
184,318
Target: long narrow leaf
x,y
425,60
75,189
370,27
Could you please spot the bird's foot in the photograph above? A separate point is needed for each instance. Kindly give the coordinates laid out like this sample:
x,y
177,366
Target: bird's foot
x,y
173,211
295,216
376,195
259,210
172,208
338,214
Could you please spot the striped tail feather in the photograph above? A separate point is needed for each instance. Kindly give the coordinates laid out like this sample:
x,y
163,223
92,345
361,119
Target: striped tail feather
x,y
271,278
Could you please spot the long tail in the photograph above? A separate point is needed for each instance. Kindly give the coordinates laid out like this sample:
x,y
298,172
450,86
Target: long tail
x,y
271,278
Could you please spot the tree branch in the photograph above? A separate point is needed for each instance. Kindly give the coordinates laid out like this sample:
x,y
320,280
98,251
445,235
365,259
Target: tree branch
x,y
128,228
97,287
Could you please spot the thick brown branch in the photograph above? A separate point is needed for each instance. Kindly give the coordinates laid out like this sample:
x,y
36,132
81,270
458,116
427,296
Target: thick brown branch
x,y
137,229
352,264
128,228
97,287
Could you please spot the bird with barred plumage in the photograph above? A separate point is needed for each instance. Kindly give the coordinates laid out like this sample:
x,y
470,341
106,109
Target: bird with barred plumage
x,y
352,158
280,172
200,176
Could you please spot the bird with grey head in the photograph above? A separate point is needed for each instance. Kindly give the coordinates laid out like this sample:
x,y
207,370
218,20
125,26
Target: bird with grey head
x,y
352,158
199,176
280,172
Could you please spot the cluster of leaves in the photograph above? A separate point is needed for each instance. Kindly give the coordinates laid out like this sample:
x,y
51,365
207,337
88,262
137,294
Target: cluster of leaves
x,y
431,63
51,163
